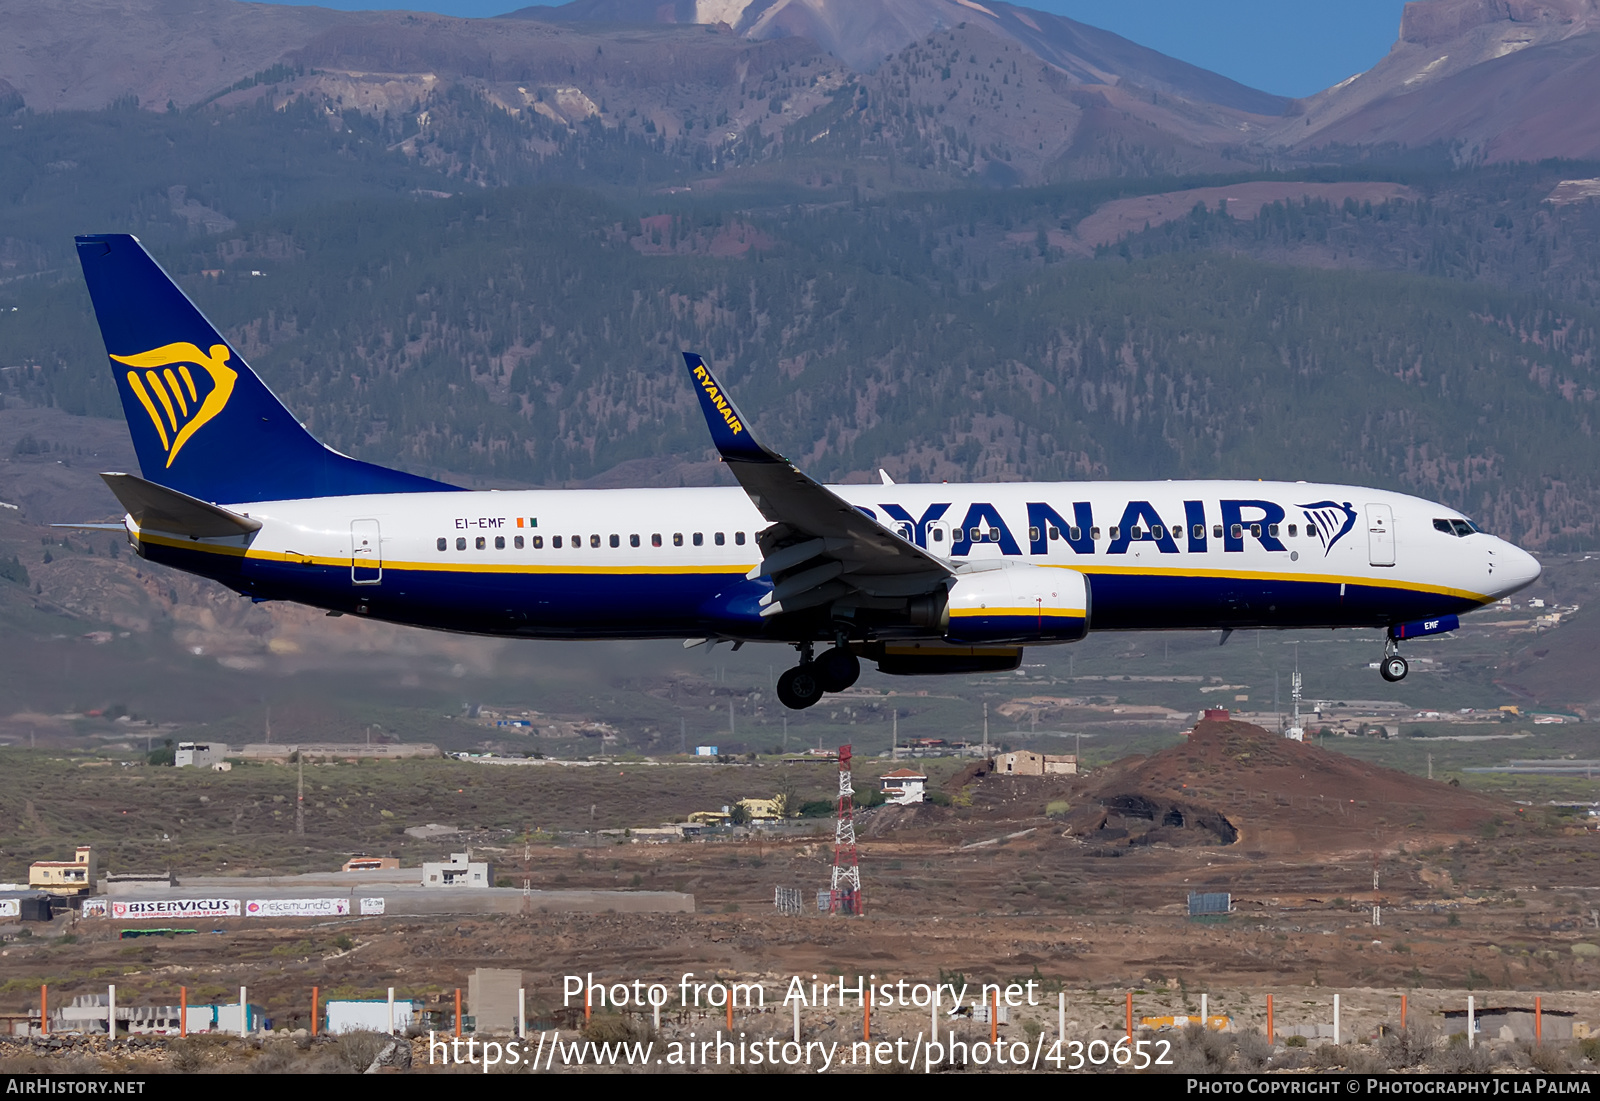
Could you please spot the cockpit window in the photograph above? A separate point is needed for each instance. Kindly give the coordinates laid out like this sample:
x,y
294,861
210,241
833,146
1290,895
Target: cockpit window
x,y
1459,528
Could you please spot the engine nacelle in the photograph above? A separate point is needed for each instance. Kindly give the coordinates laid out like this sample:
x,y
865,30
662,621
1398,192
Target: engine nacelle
x,y
1018,603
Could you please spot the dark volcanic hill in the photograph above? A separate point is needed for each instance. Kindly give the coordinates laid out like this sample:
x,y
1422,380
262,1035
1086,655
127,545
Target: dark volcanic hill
x,y
1235,783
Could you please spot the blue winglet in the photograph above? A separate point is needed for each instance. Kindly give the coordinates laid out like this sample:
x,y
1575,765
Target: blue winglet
x,y
729,430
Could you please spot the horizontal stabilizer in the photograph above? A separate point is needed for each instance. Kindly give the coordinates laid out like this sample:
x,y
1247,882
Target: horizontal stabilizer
x,y
157,508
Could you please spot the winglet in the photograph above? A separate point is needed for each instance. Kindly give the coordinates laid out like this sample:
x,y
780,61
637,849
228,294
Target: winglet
x,y
729,430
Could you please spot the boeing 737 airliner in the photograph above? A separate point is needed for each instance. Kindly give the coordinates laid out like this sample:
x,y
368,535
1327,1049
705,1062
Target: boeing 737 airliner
x,y
920,579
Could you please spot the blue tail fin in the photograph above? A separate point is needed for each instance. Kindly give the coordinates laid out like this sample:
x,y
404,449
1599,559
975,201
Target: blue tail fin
x,y
202,422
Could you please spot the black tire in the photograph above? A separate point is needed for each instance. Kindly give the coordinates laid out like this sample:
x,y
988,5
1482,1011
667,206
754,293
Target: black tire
x,y
800,687
1394,668
838,669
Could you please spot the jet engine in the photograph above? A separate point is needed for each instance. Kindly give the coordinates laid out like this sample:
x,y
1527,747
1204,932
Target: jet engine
x,y
1017,603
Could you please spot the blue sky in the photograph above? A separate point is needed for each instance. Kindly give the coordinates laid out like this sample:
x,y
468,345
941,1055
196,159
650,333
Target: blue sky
x,y
1291,47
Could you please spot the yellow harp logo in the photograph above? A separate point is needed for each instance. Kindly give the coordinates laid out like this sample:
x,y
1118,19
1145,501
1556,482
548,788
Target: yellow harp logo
x,y
165,385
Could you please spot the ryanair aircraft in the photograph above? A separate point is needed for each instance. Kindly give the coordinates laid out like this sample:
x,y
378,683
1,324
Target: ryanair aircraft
x,y
920,579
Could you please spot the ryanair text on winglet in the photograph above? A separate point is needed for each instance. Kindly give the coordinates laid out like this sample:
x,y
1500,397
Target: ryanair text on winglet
x,y
709,385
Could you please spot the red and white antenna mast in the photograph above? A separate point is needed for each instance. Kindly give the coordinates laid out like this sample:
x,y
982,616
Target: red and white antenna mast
x,y
845,896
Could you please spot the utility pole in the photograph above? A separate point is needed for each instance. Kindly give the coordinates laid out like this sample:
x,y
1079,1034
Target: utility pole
x,y
786,733
1430,766
894,749
986,730
683,736
299,794
730,722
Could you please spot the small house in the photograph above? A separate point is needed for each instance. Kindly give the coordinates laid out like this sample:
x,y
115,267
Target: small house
x,y
65,877
904,786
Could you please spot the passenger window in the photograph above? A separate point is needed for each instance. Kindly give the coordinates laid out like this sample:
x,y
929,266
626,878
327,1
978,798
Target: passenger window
x,y
1255,530
499,542
1115,532
655,540
738,537
976,534
480,542
555,542
677,538
517,542
461,544
1197,532
1293,530
699,539
1136,533
1272,530
1158,532
1075,534
1216,531
720,538
1055,533
443,543
616,540
577,542
938,535
1094,534
1237,531
994,535
538,542
1311,531
594,541
633,540
1033,535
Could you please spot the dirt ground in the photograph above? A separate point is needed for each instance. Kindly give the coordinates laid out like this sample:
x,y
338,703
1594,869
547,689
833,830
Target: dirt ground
x,y
1077,885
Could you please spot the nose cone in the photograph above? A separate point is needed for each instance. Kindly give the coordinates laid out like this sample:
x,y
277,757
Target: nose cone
x,y
1514,569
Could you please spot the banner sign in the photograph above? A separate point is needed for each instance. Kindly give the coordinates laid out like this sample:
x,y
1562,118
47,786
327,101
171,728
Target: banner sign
x,y
92,907
176,907
297,907
10,907
371,906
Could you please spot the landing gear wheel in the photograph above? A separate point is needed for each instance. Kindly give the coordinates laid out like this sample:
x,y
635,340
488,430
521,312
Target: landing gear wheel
x,y
800,687
838,669
1393,668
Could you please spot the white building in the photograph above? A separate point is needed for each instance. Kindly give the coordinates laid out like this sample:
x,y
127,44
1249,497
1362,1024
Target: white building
x,y
461,871
200,754
904,786
370,1015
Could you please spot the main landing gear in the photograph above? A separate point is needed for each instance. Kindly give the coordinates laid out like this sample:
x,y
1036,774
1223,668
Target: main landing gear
x,y
1393,667
834,671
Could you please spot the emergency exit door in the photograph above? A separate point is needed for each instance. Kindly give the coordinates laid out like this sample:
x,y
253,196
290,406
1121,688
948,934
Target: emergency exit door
x,y
366,553
1380,535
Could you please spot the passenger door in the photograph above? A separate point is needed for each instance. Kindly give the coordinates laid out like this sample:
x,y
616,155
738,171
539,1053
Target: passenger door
x,y
1380,535
366,552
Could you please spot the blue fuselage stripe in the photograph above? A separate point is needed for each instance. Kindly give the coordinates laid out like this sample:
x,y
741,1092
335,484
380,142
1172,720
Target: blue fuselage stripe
x,y
673,605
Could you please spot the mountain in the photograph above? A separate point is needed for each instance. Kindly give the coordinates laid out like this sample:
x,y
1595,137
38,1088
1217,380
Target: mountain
x,y
866,33
1497,80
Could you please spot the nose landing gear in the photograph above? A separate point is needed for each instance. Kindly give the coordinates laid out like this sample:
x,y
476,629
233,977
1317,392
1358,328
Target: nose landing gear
x,y
1393,667
834,671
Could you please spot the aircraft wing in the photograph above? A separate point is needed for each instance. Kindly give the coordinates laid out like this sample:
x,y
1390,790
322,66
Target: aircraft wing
x,y
819,547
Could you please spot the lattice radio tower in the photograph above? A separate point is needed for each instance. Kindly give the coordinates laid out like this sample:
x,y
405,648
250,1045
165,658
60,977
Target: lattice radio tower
x,y
845,896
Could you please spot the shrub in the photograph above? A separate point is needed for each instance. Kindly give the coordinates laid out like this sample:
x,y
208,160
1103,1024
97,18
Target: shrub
x,y
356,1050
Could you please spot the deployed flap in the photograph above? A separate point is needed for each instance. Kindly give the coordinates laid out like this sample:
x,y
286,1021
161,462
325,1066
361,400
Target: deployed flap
x,y
808,516
157,508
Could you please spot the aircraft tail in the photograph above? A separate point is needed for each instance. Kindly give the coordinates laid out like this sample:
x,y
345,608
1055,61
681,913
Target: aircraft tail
x,y
202,422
